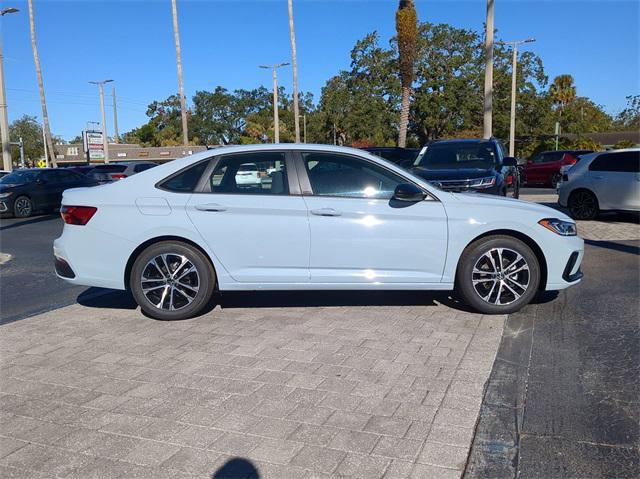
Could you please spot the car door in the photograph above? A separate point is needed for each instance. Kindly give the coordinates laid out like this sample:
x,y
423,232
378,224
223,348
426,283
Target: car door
x,y
48,189
543,166
615,179
358,234
258,230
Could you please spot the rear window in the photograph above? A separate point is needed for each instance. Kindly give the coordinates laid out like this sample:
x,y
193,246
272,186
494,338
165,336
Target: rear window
x,y
143,167
187,180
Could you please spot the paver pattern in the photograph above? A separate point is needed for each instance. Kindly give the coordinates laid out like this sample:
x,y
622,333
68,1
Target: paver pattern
x,y
301,392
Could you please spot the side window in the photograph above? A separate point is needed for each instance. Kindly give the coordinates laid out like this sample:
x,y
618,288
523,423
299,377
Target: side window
x,y
627,162
349,177
260,173
187,180
67,176
142,167
50,176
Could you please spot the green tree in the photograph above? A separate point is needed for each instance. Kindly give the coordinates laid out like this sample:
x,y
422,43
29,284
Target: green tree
x,y
407,38
629,118
30,131
563,92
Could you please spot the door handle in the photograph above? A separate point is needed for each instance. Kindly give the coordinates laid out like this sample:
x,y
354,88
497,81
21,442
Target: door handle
x,y
326,212
211,207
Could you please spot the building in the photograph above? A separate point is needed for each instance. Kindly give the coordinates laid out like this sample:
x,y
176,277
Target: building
x,y
73,154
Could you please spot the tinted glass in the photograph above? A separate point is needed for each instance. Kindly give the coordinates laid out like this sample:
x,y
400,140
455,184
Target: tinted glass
x,y
627,161
110,168
458,154
143,167
349,177
20,176
68,176
262,173
186,181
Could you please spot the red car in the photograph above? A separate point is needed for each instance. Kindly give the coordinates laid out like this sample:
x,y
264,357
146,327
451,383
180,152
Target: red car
x,y
544,168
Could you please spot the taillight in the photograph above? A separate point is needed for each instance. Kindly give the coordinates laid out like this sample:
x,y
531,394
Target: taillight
x,y
569,159
117,176
77,215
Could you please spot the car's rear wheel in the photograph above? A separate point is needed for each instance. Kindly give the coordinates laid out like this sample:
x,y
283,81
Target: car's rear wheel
x,y
583,205
22,207
498,275
172,280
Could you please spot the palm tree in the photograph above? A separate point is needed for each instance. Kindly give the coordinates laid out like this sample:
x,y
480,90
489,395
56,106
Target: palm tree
x,y
294,63
45,115
563,91
407,32
183,108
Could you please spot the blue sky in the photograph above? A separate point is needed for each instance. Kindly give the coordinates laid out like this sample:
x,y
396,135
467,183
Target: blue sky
x,y
224,41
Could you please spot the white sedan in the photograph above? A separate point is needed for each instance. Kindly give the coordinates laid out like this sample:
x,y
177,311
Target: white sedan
x,y
331,218
606,180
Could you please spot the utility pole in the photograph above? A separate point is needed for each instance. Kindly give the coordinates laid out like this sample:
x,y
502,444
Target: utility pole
x,y
304,122
36,60
294,60
4,119
514,72
488,73
115,117
276,120
183,107
105,141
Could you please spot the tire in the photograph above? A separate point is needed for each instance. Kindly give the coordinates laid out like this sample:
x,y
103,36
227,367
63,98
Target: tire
x,y
495,290
583,205
22,207
178,286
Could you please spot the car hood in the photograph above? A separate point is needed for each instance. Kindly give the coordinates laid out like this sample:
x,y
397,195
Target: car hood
x,y
10,186
493,201
452,174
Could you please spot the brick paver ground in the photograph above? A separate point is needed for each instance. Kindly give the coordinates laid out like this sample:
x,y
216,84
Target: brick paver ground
x,y
378,391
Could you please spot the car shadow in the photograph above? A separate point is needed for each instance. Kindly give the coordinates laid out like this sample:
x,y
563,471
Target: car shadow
x,y
9,223
236,468
623,247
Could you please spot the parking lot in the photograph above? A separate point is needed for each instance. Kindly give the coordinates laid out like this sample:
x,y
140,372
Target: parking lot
x,y
321,384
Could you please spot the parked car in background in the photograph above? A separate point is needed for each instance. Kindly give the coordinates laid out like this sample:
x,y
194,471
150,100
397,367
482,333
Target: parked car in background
x,y
109,172
608,180
332,218
4,173
544,168
470,165
403,157
248,175
25,191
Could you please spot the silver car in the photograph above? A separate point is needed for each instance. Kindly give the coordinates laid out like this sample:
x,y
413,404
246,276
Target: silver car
x,y
118,171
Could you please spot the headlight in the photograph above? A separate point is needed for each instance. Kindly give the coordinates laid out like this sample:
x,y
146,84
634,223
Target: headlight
x,y
5,195
487,182
563,228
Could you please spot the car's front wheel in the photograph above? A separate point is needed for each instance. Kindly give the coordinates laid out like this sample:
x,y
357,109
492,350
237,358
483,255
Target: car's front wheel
x,y
498,275
22,207
172,280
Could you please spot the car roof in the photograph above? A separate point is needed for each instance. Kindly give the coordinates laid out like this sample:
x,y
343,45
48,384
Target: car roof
x,y
463,140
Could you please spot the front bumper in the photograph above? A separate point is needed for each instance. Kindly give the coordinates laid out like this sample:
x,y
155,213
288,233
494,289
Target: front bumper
x,y
564,259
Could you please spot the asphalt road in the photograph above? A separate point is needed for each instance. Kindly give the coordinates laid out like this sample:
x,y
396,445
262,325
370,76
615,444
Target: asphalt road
x,y
29,284
563,399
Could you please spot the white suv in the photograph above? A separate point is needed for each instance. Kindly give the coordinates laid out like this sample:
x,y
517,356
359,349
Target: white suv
x,y
607,180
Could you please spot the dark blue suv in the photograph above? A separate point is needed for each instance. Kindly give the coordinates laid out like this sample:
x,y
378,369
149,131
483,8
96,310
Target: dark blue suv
x,y
469,165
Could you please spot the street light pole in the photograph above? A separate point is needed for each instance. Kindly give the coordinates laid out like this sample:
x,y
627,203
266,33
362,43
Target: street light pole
x,y
514,73
4,119
488,73
276,120
105,141
183,107
115,117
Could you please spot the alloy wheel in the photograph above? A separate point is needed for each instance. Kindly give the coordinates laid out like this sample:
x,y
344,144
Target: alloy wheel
x,y
170,281
22,207
583,205
501,276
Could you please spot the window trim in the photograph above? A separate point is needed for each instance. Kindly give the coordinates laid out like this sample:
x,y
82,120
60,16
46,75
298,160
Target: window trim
x,y
611,154
204,186
307,190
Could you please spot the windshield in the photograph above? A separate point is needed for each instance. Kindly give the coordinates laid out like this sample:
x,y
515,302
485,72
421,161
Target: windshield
x,y
20,176
458,154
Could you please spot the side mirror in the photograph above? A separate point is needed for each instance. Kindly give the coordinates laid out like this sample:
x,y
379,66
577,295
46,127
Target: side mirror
x,y
509,161
408,192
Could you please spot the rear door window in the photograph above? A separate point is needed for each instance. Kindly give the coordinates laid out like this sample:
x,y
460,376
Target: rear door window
x,y
187,180
625,162
260,173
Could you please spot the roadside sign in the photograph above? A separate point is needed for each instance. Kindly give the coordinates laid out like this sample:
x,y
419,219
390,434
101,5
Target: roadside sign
x,y
93,144
41,164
